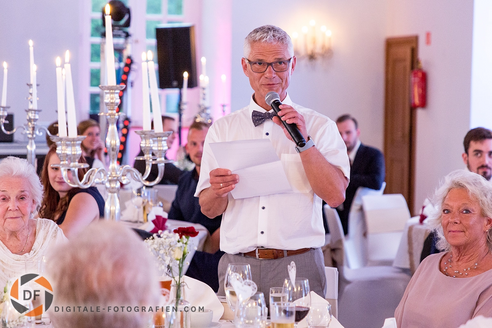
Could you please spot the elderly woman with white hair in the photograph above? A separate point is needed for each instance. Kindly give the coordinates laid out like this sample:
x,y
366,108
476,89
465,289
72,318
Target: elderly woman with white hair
x,y
23,239
452,287
121,279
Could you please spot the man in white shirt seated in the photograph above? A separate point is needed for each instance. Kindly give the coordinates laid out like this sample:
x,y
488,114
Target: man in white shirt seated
x,y
269,232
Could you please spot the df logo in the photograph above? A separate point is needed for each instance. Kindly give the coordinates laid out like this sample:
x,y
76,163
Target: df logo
x,y
33,288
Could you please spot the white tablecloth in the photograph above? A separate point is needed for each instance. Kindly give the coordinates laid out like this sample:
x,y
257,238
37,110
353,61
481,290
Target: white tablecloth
x,y
411,245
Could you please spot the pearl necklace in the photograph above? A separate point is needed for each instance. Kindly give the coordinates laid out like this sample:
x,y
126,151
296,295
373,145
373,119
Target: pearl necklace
x,y
456,273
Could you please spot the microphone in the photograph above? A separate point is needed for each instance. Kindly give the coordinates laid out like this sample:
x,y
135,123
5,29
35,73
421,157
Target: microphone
x,y
273,99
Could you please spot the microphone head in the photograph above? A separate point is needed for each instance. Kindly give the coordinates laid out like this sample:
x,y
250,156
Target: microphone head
x,y
271,97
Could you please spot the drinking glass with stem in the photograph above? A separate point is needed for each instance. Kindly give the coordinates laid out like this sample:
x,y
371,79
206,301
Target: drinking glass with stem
x,y
241,269
298,292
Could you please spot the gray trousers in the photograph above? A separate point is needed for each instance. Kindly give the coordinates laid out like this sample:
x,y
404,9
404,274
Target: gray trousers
x,y
272,273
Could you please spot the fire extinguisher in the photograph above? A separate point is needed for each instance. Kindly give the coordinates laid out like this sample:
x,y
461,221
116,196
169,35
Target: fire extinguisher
x,y
419,86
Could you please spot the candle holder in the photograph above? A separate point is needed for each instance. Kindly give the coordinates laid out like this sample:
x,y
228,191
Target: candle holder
x,y
204,115
31,128
223,109
154,146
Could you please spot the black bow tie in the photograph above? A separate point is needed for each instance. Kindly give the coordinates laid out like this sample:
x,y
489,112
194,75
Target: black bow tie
x,y
260,117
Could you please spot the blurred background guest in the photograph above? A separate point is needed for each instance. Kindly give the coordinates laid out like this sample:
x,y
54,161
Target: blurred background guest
x,y
186,207
171,172
71,208
53,129
92,146
452,287
22,238
122,274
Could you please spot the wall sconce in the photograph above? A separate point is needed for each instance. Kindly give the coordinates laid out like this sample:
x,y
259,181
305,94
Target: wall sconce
x,y
313,43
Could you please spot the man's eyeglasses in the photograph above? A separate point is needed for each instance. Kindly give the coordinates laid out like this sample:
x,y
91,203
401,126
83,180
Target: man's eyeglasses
x,y
261,67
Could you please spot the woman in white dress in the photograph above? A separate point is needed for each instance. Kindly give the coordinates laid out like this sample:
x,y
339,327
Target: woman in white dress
x,y
24,240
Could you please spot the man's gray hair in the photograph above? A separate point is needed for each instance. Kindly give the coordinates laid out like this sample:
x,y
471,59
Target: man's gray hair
x,y
19,167
106,265
267,34
477,187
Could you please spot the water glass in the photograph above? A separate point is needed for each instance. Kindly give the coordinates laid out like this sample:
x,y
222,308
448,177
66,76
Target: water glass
x,y
282,315
319,315
241,269
249,314
259,297
277,295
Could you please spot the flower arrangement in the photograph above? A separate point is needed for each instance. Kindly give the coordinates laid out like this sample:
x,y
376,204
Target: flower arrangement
x,y
171,249
9,316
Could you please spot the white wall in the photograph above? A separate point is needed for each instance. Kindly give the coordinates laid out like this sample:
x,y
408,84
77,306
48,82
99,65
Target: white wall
x,y
54,28
442,125
351,81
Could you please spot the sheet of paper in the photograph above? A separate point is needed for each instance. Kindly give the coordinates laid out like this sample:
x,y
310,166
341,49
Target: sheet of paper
x,y
255,161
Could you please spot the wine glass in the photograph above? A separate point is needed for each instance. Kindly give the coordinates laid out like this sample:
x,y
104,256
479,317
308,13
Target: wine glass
x,y
319,315
299,293
241,269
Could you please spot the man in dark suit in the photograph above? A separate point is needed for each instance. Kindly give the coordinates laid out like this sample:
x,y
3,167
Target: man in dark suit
x,y
367,165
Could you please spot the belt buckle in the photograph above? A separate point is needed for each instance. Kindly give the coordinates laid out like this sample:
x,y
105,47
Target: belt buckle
x,y
257,253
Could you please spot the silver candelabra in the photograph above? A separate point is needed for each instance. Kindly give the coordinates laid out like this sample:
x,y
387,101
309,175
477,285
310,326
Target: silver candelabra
x,y
31,129
153,145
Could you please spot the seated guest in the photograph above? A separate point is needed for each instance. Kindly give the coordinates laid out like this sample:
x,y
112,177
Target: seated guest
x,y
92,146
53,130
186,207
122,274
171,172
22,238
71,208
452,287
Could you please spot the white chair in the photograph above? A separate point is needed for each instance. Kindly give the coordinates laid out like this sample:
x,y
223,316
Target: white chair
x,y
369,294
386,216
356,239
331,294
166,194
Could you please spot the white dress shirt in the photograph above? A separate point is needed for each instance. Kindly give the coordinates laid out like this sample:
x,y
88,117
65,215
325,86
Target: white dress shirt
x,y
285,221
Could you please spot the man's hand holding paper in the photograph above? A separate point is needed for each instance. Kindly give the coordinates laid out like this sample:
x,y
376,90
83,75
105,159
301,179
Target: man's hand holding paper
x,y
256,165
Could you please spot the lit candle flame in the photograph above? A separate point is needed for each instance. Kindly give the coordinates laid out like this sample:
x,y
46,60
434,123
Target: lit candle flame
x,y
150,55
323,28
30,43
5,65
201,77
312,22
204,60
144,56
67,57
304,29
328,33
58,61
185,75
107,9
223,77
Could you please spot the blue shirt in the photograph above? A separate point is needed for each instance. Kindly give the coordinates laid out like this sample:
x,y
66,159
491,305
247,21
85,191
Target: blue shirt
x,y
186,207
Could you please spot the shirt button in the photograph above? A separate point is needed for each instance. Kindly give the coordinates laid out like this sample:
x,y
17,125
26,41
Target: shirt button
x,y
267,134
262,232
263,207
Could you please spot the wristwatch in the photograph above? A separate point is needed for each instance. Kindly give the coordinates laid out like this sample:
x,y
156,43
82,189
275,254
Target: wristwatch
x,y
309,144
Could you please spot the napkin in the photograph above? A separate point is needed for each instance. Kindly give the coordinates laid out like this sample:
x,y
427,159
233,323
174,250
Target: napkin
x,y
200,294
131,212
389,323
159,224
478,322
315,298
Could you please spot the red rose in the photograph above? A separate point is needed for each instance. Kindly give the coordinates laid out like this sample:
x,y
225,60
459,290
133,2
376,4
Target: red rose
x,y
188,231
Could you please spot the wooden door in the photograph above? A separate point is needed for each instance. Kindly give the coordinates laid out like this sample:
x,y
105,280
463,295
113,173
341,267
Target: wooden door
x,y
399,118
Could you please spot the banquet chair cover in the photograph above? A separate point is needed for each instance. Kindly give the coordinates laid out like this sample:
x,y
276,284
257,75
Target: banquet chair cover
x,y
331,294
369,294
386,216
356,239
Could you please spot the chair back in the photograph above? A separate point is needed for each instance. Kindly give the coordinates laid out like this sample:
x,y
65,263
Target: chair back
x,y
166,192
356,240
336,238
385,213
331,294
